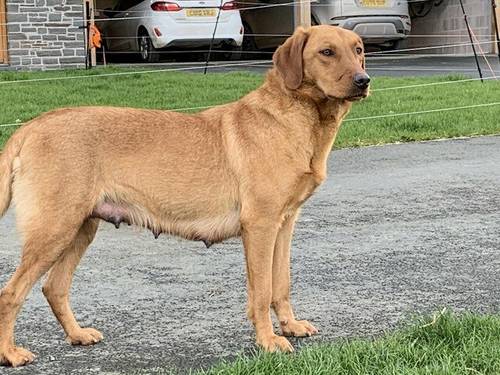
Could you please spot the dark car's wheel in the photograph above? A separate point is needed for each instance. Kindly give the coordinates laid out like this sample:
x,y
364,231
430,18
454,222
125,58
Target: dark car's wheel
x,y
147,52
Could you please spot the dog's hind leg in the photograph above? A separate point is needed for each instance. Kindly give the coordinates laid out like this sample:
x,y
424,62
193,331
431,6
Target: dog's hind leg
x,y
42,247
56,288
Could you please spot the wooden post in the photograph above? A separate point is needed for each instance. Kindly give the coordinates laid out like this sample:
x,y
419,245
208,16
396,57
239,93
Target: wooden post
x,y
303,13
3,33
93,59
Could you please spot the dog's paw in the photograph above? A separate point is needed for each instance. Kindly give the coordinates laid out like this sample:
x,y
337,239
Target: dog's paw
x,y
15,356
297,328
274,343
85,337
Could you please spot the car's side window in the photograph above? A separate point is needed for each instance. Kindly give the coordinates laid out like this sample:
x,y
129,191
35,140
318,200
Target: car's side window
x,y
126,4
118,6
133,3
136,2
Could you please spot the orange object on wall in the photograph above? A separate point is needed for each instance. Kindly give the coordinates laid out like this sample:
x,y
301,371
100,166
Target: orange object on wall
x,y
95,37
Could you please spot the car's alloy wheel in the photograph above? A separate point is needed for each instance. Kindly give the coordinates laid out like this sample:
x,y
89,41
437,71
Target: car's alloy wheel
x,y
146,50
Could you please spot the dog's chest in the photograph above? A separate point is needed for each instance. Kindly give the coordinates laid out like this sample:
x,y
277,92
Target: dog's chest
x,y
306,185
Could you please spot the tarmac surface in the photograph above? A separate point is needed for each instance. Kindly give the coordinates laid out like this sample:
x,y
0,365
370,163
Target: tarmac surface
x,y
386,64
395,230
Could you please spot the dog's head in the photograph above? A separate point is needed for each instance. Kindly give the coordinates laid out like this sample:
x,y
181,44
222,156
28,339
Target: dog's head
x,y
329,58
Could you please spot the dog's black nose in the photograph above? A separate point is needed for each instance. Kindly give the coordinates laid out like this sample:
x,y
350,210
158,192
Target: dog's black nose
x,y
361,80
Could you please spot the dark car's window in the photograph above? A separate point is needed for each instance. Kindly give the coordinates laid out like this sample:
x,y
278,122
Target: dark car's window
x,y
126,4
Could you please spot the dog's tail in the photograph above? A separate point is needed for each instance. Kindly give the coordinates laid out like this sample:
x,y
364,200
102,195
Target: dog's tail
x,y
7,157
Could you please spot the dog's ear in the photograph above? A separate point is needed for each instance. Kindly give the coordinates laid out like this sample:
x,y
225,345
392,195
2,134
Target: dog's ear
x,y
288,59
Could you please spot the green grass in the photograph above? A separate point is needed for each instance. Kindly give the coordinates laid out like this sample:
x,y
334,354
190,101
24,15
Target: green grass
x,y
450,344
168,90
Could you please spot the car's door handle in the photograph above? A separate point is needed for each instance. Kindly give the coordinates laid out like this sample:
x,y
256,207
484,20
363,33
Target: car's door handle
x,y
127,14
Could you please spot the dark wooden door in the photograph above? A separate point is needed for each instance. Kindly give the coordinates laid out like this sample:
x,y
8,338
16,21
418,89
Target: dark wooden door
x,y
3,33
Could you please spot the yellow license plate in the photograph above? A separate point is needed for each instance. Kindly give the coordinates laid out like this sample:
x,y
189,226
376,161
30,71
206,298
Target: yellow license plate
x,y
201,12
374,3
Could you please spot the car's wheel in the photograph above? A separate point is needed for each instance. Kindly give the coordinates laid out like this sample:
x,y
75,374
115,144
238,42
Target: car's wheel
x,y
231,52
147,52
400,44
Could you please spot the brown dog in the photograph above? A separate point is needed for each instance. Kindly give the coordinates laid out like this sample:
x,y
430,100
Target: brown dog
x,y
243,168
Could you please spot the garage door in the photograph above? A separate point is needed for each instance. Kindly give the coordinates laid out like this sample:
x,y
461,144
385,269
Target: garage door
x,y
3,34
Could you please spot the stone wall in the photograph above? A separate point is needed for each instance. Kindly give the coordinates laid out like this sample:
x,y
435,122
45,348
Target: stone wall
x,y
445,25
45,34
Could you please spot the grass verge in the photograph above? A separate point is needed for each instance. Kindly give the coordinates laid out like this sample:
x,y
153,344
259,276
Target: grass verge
x,y
450,344
171,90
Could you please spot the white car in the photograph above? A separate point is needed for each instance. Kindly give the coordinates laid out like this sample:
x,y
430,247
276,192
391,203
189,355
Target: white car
x,y
146,26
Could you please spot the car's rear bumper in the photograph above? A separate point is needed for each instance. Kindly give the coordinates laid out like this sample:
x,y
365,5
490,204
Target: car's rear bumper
x,y
202,42
184,34
377,29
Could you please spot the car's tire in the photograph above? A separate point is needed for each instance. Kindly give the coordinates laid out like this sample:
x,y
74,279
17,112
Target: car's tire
x,y
400,44
147,52
232,53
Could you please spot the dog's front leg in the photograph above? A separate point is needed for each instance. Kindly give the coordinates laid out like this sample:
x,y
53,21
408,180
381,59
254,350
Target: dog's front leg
x,y
281,284
259,237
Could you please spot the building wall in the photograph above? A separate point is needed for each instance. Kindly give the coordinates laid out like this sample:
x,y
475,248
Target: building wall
x,y
45,34
445,25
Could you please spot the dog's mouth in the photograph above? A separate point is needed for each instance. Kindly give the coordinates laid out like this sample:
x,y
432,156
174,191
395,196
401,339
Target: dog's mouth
x,y
358,96
352,98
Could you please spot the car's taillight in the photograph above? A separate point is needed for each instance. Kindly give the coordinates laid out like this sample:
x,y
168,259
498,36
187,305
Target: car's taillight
x,y
230,5
165,6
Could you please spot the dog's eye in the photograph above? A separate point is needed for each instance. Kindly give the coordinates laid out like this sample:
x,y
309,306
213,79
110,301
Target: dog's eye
x,y
327,52
359,50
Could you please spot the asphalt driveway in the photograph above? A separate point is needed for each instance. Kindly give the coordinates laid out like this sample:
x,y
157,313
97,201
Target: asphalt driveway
x,y
395,230
387,65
